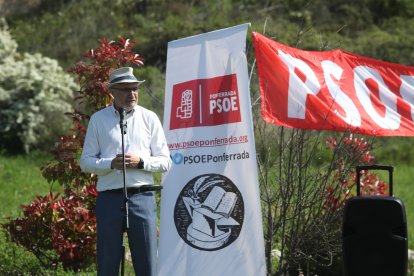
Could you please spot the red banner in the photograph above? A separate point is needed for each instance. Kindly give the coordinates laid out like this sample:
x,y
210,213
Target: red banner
x,y
334,90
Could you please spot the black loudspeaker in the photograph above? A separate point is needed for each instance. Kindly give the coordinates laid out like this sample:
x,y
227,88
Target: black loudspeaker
x,y
374,233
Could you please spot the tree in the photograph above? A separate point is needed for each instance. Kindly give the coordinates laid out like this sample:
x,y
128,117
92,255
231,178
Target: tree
x,y
34,94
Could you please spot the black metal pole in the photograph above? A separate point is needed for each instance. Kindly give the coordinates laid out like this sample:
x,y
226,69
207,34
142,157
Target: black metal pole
x,y
125,220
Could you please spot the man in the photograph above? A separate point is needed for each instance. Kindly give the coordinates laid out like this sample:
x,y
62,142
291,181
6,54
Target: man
x,y
146,151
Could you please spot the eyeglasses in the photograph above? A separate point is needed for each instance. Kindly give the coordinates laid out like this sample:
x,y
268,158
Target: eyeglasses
x,y
127,90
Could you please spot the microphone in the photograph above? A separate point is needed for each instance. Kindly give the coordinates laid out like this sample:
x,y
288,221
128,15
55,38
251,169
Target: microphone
x,y
122,114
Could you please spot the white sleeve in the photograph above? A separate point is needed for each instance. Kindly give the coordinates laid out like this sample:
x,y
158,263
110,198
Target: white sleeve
x,y
90,160
160,160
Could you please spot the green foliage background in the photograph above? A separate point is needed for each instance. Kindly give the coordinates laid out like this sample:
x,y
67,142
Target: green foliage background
x,y
64,29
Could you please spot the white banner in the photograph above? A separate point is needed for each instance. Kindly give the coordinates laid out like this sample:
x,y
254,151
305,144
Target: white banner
x,y
211,222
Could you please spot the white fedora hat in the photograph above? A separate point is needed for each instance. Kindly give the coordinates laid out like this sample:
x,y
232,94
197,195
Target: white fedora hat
x,y
122,75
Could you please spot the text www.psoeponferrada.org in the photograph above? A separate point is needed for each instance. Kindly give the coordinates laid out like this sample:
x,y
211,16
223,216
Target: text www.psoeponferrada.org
x,y
209,142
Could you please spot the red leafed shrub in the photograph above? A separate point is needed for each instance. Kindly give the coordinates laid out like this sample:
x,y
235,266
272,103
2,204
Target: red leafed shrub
x,y
352,151
65,224
110,55
61,228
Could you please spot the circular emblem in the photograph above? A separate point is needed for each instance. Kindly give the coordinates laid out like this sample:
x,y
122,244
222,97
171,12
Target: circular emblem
x,y
209,212
177,158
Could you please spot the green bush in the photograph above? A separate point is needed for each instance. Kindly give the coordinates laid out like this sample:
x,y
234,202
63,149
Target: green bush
x,y
15,260
8,47
35,92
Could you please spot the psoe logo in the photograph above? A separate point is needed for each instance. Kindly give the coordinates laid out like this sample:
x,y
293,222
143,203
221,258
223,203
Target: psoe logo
x,y
209,212
205,102
185,110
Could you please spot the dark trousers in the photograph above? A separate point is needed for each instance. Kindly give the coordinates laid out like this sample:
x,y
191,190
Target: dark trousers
x,y
141,233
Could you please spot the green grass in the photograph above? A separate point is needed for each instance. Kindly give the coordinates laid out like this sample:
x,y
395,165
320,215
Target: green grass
x,y
20,181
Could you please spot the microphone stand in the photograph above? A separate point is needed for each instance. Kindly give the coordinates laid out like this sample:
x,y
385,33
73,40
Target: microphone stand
x,y
125,221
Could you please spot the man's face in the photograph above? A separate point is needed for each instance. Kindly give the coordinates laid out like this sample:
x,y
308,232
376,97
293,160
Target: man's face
x,y
125,95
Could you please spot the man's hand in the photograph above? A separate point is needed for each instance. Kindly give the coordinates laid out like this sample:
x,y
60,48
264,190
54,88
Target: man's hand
x,y
131,161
